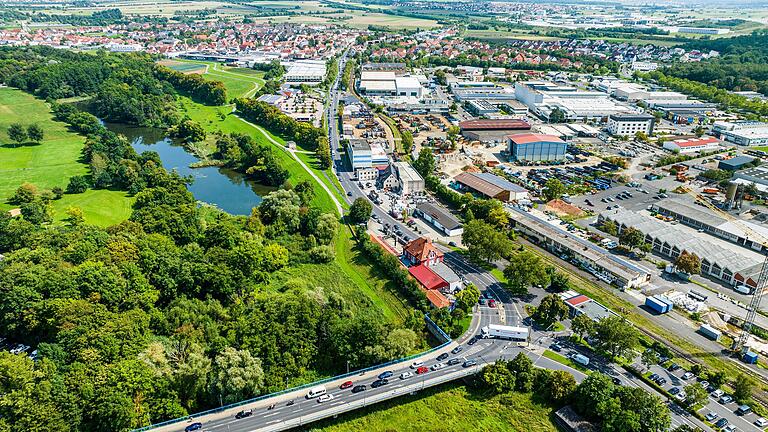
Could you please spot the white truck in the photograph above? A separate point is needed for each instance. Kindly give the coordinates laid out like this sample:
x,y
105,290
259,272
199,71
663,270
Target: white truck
x,y
497,331
580,359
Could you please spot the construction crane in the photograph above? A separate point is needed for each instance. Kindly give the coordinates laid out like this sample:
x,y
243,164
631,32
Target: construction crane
x,y
754,304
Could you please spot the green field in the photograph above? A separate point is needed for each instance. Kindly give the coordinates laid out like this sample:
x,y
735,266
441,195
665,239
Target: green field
x,y
446,408
46,165
100,207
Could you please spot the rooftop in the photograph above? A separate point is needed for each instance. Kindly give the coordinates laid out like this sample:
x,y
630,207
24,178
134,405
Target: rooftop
x,y
532,137
445,218
494,124
695,142
426,277
377,76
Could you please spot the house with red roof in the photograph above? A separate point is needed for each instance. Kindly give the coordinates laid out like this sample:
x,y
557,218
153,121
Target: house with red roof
x,y
421,251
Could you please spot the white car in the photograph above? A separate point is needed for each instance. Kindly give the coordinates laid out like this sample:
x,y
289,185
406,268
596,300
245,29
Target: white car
x,y
680,396
717,393
761,422
687,376
405,375
730,428
437,366
417,364
325,398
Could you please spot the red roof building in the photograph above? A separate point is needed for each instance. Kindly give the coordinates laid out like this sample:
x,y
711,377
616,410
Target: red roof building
x,y
494,124
576,301
528,138
422,251
693,144
427,278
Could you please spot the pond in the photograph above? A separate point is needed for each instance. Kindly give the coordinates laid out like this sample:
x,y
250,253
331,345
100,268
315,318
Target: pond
x,y
226,189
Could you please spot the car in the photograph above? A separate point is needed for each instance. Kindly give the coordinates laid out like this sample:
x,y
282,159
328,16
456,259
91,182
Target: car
x,y
661,381
456,350
416,364
721,423
193,427
711,416
405,375
616,381
555,347
729,428
472,341
421,370
726,399
674,390
325,398
687,375
437,366
442,357
346,385
743,410
349,193
454,361
673,367
243,414
452,243
379,383
761,422
717,393
358,388
469,363
704,384
653,377
681,396
385,375
492,303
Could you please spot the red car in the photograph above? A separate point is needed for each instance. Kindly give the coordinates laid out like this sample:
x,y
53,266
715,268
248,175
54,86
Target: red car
x,y
492,303
422,370
346,385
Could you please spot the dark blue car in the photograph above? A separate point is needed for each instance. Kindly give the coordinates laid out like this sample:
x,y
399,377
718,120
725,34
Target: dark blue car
x,y
193,427
387,374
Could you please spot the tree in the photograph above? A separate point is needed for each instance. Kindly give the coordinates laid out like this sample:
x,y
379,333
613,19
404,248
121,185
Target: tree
x,y
77,184
17,133
467,298
498,218
189,131
695,394
35,133
522,367
406,139
425,163
498,377
641,136
557,116
553,189
323,152
742,388
717,378
649,358
525,269
559,282
560,386
688,263
615,335
25,193
483,242
593,394
237,375
360,210
75,216
306,191
582,325
631,237
610,227
327,225
37,212
551,310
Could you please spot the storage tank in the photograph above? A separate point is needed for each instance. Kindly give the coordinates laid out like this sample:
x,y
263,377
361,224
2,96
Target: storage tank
x,y
730,194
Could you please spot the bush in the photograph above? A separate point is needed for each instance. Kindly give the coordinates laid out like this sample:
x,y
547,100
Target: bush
x,y
322,254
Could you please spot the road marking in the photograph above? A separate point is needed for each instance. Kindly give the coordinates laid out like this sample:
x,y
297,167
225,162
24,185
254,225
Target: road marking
x,y
270,415
273,421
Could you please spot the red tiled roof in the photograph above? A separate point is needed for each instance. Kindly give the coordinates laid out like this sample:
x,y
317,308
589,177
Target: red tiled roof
x,y
421,247
579,299
532,137
437,299
427,278
494,124
695,142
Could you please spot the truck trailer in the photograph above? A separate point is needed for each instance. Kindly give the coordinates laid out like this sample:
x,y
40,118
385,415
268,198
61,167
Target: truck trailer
x,y
710,332
519,334
658,303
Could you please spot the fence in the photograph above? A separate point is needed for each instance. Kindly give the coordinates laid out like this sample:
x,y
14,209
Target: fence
x,y
430,324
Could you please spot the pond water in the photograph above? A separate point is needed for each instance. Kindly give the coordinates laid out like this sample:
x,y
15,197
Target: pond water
x,y
221,187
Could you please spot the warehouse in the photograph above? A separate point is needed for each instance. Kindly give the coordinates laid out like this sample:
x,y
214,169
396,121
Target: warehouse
x,y
492,130
359,153
440,218
310,72
735,163
397,68
542,98
594,259
410,180
491,186
628,124
579,304
745,133
721,260
692,145
536,147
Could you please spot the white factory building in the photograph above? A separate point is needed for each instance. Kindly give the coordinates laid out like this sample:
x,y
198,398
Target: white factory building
x,y
628,124
310,72
542,98
386,83
746,133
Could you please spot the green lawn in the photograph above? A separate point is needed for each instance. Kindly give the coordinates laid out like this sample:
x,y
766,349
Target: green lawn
x,y
564,360
100,207
46,165
449,407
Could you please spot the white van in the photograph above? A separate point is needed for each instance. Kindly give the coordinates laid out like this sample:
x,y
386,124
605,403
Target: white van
x,y
743,289
315,392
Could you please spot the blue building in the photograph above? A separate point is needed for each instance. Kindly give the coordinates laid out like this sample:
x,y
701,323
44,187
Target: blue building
x,y
536,147
359,153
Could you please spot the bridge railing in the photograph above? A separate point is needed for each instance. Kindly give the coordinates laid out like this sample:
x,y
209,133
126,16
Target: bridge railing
x,y
433,327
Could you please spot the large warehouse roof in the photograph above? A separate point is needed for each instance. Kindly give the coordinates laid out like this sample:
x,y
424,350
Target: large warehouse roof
x,y
497,124
500,182
487,184
532,137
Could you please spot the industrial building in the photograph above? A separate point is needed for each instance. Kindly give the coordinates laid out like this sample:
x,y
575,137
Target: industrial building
x,y
691,145
721,260
712,224
542,98
492,130
590,257
310,72
398,68
359,153
386,83
410,182
536,147
628,124
735,163
440,218
745,133
579,304
491,186
757,175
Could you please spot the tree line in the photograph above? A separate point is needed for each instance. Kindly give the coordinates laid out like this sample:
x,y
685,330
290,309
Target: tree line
x,y
243,153
276,122
201,90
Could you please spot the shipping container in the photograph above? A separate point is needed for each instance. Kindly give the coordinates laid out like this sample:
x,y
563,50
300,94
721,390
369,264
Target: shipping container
x,y
750,357
710,332
659,304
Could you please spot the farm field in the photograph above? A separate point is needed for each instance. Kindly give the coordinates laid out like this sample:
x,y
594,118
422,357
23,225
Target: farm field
x,y
46,165
449,407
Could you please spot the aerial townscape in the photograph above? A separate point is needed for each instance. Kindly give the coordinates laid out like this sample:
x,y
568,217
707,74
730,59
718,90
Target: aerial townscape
x,y
383,215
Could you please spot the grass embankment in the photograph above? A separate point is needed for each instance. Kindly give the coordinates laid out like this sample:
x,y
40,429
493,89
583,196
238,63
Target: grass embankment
x,y
50,163
564,360
449,407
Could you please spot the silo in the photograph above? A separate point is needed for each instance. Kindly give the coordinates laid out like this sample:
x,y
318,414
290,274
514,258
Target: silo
x,y
730,194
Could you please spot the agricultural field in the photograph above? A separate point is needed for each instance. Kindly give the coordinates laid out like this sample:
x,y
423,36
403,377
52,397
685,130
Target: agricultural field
x,y
450,407
46,165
